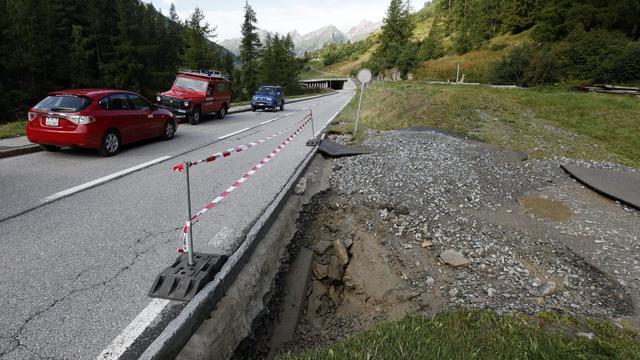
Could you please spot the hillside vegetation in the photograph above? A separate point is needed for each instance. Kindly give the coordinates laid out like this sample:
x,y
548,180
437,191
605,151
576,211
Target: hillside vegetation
x,y
544,123
529,43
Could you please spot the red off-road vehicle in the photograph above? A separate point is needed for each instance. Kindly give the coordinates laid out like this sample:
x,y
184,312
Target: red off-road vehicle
x,y
197,92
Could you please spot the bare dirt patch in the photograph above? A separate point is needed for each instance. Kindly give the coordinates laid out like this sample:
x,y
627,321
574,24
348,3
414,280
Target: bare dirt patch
x,y
546,209
529,235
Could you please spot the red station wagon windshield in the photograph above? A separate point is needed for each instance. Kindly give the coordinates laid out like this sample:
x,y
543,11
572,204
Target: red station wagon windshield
x,y
191,84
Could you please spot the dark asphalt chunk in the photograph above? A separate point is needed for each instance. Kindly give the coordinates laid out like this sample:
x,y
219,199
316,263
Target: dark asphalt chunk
x,y
619,185
334,150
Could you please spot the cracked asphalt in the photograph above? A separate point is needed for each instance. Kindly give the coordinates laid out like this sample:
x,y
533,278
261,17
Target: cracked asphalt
x,y
76,271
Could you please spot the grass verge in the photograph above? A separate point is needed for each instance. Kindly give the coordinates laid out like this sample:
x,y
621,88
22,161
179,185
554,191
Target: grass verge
x,y
484,335
12,129
544,123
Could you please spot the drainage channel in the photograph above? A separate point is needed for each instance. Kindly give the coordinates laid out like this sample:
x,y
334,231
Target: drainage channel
x,y
242,324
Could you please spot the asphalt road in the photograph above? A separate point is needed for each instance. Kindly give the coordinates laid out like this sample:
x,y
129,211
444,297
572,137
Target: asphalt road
x,y
77,263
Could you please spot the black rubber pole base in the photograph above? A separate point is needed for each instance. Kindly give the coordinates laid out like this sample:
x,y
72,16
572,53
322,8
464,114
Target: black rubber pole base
x,y
181,281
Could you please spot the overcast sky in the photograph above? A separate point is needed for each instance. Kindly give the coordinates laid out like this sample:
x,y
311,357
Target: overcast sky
x,y
280,15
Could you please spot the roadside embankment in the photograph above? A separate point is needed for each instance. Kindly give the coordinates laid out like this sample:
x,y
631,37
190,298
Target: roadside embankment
x,y
544,123
245,303
431,222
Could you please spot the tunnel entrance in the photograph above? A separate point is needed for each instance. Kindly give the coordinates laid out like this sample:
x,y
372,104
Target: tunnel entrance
x,y
335,84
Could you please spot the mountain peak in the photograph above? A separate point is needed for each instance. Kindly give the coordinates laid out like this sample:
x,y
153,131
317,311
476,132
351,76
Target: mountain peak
x,y
363,29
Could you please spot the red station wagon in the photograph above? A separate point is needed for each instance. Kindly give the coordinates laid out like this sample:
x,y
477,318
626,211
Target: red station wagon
x,y
97,119
197,92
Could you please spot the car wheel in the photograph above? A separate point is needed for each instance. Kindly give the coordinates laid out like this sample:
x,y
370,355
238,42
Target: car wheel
x,y
253,108
50,148
194,118
282,106
169,130
222,113
110,143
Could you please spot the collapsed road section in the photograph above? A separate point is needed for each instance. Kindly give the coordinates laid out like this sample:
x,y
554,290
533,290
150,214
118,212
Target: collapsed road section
x,y
172,336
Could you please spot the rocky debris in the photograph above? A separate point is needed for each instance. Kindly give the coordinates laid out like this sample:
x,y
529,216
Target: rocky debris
x,y
423,194
336,269
320,271
547,289
454,259
427,244
321,247
341,252
301,186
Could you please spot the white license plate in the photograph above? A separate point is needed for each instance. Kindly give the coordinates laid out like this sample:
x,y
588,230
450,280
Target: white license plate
x,y
51,121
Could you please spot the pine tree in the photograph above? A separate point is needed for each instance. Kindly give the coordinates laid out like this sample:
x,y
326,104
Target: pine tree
x,y
79,58
198,53
394,41
249,51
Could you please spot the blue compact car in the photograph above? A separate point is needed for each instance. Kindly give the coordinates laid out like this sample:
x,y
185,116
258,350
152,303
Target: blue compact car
x,y
268,97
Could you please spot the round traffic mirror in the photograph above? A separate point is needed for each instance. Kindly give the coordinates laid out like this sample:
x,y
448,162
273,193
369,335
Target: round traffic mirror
x,y
365,76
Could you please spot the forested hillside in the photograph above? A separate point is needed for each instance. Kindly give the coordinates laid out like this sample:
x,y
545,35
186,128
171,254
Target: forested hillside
x,y
51,45
589,40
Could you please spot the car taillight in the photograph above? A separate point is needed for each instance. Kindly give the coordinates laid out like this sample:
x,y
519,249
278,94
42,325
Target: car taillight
x,y
81,120
32,116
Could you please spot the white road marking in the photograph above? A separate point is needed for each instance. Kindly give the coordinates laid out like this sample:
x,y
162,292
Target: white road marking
x,y
123,341
268,121
287,114
103,180
233,133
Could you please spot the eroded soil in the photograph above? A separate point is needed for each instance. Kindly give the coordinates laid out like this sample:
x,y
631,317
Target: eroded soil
x,y
530,239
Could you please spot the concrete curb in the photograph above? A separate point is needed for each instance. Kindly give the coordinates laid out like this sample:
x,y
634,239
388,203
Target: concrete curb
x,y
19,150
170,342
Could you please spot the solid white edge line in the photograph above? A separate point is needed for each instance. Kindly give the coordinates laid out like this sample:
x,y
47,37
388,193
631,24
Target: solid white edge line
x,y
268,121
103,179
135,328
233,133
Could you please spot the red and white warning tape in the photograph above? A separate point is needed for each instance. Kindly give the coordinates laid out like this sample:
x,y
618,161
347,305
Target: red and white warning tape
x,y
236,149
195,218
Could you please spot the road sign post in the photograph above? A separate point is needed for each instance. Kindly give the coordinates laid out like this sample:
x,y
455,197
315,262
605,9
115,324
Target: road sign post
x,y
364,76
189,234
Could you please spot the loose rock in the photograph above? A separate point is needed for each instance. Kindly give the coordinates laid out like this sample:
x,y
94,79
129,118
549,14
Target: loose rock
x,y
454,258
301,186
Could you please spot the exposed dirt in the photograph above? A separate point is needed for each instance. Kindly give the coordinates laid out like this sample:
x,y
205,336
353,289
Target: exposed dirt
x,y
546,209
529,239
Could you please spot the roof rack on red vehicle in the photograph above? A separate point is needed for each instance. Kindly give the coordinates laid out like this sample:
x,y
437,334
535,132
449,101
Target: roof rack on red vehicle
x,y
214,74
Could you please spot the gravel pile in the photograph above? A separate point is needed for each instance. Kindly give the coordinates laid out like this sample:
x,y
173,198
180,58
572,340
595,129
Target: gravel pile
x,y
439,192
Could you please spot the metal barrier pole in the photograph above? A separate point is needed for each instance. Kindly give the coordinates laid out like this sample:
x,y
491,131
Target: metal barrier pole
x,y
189,225
359,106
313,141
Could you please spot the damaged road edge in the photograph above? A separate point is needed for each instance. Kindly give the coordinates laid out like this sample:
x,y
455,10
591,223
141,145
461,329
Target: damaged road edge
x,y
178,332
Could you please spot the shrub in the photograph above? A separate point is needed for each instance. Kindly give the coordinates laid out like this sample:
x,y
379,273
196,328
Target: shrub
x,y
511,69
544,68
587,50
624,68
